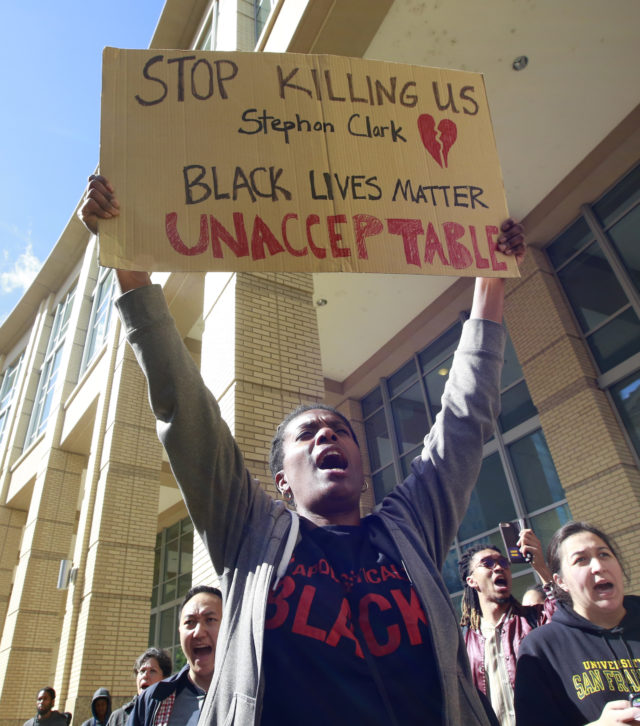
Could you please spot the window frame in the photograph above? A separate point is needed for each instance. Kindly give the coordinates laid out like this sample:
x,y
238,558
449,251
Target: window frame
x,y
48,375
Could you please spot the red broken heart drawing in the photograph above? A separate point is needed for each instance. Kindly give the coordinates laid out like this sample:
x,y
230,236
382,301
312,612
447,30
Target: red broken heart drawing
x,y
437,147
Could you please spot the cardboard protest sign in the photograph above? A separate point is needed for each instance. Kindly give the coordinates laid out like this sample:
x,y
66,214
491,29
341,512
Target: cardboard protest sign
x,y
298,163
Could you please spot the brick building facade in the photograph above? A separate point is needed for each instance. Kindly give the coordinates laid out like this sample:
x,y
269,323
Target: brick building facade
x,y
83,477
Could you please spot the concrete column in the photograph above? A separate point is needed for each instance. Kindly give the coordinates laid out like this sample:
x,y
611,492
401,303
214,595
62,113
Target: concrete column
x,y
11,523
588,446
108,612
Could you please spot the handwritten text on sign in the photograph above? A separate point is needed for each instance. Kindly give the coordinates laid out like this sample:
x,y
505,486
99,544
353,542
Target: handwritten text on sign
x,y
285,162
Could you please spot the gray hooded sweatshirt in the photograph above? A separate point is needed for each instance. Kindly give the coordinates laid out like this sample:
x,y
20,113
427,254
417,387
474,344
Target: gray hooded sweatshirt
x,y
250,536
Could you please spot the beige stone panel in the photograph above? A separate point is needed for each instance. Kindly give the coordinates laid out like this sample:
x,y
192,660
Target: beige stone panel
x,y
559,370
126,443
579,441
537,315
113,600
36,607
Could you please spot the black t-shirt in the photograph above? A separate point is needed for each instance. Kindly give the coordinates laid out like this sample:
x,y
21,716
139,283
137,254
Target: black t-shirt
x,y
343,610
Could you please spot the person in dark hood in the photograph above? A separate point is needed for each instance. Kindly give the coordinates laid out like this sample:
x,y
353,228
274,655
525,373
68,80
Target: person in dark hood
x,y
100,708
581,667
150,667
45,713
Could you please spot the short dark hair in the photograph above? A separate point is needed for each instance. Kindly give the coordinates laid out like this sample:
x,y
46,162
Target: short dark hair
x,y
161,655
560,535
276,454
196,591
471,610
50,691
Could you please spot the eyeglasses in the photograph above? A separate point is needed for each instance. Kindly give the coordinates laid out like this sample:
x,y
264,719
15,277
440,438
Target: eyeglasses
x,y
490,562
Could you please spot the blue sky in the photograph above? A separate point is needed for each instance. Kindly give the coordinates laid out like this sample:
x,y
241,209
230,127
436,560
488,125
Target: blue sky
x,y
50,86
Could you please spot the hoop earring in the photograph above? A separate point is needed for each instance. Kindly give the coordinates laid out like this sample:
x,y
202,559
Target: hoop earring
x,y
365,486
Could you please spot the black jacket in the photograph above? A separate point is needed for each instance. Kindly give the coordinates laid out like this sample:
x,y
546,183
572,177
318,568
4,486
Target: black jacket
x,y
93,721
147,704
120,716
570,668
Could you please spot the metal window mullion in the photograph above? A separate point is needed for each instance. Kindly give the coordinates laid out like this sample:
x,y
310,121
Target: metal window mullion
x,y
613,258
526,428
549,507
622,212
512,479
423,391
623,427
388,417
617,373
607,320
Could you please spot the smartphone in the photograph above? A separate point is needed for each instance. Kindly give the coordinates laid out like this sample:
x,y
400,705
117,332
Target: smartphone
x,y
634,700
510,532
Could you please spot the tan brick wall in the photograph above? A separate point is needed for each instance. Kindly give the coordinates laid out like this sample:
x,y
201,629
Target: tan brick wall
x,y
109,606
34,616
12,522
590,452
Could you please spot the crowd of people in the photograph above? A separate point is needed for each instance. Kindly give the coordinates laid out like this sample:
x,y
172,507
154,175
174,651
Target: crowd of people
x,y
334,618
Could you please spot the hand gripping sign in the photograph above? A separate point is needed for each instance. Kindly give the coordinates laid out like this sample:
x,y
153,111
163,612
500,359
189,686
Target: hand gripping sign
x,y
298,163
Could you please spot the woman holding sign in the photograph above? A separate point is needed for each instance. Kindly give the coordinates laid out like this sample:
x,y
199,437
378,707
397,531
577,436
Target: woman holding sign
x,y
328,618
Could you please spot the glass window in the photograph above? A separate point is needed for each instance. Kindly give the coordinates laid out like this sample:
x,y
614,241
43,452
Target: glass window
x,y
491,501
625,236
511,370
546,523
536,472
516,406
625,194
401,379
378,442
172,577
616,341
383,482
410,418
406,460
435,383
372,402
569,242
440,349
101,315
49,371
450,571
7,388
626,396
263,9
506,471
606,300
592,288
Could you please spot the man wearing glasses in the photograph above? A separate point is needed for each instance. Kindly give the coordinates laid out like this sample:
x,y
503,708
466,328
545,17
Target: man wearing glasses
x,y
494,622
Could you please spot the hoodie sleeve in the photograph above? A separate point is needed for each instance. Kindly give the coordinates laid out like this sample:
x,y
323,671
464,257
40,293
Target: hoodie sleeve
x,y
204,456
437,492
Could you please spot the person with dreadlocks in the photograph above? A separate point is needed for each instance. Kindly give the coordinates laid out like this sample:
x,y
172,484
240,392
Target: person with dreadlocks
x,y
494,623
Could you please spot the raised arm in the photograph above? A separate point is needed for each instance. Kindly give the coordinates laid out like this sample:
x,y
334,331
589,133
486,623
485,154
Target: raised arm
x,y
100,202
529,544
204,457
488,296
